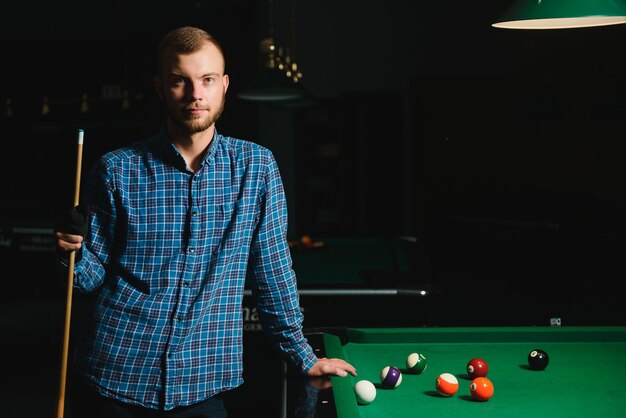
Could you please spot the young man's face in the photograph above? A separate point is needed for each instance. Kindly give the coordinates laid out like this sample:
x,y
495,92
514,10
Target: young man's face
x,y
193,88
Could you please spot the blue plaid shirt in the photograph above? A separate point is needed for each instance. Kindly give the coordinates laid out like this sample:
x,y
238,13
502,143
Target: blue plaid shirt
x,y
167,255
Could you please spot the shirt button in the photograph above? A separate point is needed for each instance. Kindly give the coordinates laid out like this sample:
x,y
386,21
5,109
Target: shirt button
x,y
194,213
190,249
186,283
180,318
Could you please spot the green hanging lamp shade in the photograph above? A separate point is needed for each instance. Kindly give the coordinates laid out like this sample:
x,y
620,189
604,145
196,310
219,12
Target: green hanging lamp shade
x,y
562,14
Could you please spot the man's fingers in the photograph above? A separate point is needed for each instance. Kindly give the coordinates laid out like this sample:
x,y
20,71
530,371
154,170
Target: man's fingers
x,y
69,238
335,366
68,242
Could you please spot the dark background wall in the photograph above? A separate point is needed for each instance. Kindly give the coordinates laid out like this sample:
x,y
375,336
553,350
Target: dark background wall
x,y
499,150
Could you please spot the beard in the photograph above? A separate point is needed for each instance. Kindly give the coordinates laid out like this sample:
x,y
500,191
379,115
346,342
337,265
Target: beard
x,y
192,124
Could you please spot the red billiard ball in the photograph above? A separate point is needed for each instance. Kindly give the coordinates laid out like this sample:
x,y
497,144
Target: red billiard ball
x,y
477,367
447,384
538,359
481,389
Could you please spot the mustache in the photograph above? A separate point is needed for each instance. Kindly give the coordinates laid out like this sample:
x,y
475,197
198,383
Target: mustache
x,y
196,108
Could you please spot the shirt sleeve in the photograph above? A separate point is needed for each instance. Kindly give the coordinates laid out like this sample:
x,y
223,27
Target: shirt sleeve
x,y
273,281
89,272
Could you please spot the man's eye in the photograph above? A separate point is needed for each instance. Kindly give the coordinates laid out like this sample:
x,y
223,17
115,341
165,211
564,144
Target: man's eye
x,y
178,81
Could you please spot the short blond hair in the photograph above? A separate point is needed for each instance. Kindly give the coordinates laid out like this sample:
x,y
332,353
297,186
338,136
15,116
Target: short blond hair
x,y
184,40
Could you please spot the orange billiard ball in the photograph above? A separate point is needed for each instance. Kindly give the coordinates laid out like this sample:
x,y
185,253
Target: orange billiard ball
x,y
447,384
481,389
477,367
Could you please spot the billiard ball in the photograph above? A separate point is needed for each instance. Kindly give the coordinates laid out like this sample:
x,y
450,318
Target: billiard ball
x,y
477,367
538,359
365,392
416,363
447,384
390,377
481,389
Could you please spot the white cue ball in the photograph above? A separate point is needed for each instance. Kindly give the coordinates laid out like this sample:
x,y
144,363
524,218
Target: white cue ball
x,y
365,392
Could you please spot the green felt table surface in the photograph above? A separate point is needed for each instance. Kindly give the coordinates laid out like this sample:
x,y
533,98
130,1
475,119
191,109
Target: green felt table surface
x,y
586,375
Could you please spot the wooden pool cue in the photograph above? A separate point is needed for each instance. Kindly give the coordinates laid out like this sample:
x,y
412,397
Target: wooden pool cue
x,y
70,284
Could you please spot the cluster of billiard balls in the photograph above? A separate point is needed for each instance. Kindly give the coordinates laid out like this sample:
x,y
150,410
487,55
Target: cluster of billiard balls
x,y
446,384
390,378
481,387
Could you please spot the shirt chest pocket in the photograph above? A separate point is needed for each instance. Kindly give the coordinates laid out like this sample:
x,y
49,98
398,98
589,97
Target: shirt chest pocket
x,y
213,220
234,222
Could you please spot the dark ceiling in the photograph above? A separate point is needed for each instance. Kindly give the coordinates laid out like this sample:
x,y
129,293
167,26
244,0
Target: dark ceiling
x,y
341,45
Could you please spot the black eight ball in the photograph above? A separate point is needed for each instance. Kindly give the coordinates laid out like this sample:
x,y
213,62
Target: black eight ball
x,y
538,359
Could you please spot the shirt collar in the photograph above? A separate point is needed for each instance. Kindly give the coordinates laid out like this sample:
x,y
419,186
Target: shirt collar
x,y
172,154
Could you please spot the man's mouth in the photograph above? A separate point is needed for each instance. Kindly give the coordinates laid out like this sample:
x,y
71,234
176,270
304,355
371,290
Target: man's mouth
x,y
195,110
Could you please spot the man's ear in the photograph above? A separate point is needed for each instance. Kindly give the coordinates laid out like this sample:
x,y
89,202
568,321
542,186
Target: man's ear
x,y
157,83
226,82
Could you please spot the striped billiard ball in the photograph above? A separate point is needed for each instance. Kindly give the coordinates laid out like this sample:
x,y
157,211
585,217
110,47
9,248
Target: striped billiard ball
x,y
390,377
416,363
447,384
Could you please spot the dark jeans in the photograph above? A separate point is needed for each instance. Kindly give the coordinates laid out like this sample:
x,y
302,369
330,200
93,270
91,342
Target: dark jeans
x,y
85,403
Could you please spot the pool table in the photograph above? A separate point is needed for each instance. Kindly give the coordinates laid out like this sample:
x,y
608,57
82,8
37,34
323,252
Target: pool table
x,y
585,377
335,282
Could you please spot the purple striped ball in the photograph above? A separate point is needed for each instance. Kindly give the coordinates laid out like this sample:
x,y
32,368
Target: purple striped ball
x,y
391,377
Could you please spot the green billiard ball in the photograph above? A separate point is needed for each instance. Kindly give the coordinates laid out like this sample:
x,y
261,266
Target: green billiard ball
x,y
416,363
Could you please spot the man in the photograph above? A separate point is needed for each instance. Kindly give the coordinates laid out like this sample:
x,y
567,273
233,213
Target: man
x,y
175,225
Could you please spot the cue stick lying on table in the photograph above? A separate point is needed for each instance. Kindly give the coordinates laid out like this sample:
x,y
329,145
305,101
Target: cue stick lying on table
x,y
70,284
